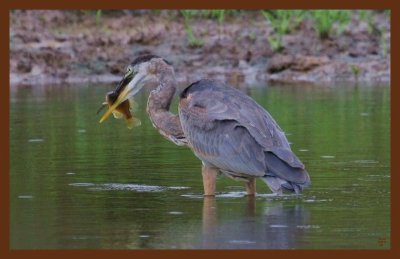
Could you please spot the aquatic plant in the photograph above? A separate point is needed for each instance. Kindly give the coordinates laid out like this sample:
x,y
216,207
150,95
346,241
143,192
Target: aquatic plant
x,y
355,70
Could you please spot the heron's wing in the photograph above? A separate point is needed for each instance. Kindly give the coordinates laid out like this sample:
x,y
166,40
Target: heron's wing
x,y
218,102
228,146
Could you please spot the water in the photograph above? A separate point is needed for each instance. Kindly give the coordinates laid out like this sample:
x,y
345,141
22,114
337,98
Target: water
x,y
78,184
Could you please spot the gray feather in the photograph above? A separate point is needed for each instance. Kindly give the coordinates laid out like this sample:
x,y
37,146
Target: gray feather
x,y
229,130
281,169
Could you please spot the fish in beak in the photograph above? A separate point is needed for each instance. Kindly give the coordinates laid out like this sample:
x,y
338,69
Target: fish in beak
x,y
120,100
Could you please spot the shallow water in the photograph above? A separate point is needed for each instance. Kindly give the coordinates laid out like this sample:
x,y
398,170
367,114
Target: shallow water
x,y
78,184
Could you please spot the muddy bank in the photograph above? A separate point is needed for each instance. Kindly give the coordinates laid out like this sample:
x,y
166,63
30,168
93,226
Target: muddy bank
x,y
51,47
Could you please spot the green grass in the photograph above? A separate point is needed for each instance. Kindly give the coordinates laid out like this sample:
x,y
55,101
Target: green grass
x,y
218,15
324,21
365,16
283,22
215,14
193,41
275,43
189,15
98,16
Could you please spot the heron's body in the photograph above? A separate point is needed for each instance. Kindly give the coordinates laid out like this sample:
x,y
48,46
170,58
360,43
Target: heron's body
x,y
227,130
231,133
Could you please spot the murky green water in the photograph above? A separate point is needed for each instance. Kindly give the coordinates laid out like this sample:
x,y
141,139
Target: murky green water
x,y
78,184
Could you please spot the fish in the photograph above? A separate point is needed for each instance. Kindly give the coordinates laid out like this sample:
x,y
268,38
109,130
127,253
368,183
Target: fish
x,y
123,110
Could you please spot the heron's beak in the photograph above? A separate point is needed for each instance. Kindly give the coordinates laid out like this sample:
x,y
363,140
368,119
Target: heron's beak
x,y
128,87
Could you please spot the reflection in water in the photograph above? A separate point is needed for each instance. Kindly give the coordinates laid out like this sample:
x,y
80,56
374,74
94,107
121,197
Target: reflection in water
x,y
75,184
209,221
278,227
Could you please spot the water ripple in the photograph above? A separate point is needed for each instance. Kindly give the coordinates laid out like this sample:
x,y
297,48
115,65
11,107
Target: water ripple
x,y
128,187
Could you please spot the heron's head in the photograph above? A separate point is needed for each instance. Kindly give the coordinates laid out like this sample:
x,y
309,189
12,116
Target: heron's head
x,y
143,71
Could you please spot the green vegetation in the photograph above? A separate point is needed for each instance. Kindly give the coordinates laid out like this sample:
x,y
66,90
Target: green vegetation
x,y
275,42
383,45
363,15
193,41
219,15
282,21
324,21
327,23
98,16
374,29
188,15
355,69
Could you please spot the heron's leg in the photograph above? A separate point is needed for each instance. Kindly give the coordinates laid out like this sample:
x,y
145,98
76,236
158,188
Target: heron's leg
x,y
251,186
209,179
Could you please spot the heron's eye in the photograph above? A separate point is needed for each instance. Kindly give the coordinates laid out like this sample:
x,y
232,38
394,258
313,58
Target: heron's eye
x,y
130,72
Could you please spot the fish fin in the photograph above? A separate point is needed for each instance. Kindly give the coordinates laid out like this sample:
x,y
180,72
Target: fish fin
x,y
133,105
117,114
133,122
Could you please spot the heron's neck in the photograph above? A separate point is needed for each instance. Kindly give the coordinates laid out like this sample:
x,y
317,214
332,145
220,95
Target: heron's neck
x,y
167,123
160,99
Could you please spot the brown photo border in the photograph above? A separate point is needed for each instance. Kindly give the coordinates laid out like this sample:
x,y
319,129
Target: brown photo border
x,y
6,252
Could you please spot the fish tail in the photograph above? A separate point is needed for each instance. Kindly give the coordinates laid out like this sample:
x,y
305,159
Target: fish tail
x,y
133,122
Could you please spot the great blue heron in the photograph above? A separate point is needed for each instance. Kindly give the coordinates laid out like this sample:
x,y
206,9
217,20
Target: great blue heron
x,y
226,129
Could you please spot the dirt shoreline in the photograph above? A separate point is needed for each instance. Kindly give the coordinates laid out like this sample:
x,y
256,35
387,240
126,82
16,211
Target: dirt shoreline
x,y
57,47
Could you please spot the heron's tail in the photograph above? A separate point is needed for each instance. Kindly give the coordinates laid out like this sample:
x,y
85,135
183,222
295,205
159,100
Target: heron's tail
x,y
282,177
